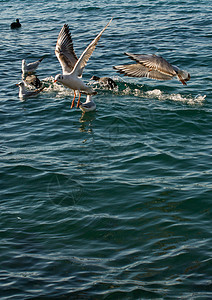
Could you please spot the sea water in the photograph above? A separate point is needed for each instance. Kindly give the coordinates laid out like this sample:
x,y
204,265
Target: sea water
x,y
116,203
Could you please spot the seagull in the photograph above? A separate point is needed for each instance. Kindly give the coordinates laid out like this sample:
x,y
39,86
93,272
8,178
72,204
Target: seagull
x,y
15,24
105,81
73,67
33,80
152,66
31,67
24,93
88,105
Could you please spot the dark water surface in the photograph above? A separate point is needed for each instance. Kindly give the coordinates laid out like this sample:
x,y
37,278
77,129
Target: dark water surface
x,y
114,204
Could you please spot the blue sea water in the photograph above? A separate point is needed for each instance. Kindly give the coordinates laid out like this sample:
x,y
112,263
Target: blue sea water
x,y
116,203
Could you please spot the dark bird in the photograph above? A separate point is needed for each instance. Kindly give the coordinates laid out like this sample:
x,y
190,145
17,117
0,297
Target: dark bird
x,y
152,66
33,80
15,24
105,81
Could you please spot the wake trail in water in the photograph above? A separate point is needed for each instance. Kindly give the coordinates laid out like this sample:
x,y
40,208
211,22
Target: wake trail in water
x,y
125,88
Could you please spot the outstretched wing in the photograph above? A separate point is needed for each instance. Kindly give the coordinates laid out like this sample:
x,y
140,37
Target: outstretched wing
x,y
64,50
33,93
82,61
138,70
154,62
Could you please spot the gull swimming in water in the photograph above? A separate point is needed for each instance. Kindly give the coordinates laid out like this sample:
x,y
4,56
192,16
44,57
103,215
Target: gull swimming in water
x,y
105,81
73,67
88,105
24,93
31,67
152,66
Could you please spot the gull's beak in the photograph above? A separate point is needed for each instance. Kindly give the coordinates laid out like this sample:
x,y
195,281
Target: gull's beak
x,y
183,82
55,80
17,84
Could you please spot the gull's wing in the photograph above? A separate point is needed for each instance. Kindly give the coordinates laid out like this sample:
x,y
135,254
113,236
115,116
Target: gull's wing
x,y
138,70
154,62
32,80
64,50
33,93
82,61
33,65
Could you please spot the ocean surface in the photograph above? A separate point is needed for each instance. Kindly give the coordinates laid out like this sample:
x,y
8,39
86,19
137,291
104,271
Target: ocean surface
x,y
116,203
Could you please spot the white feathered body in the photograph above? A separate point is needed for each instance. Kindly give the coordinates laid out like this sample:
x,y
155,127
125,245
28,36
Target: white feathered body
x,y
88,105
73,67
24,93
75,83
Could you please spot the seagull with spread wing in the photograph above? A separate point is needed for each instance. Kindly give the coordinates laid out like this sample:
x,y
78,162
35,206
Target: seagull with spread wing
x,y
152,66
73,67
30,67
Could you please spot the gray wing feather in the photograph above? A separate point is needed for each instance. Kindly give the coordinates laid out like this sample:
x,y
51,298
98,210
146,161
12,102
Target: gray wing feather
x,y
154,62
33,65
33,93
138,70
64,50
82,61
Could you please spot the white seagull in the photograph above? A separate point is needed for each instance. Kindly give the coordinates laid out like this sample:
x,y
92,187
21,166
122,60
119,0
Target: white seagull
x,y
31,67
152,66
73,67
88,105
24,93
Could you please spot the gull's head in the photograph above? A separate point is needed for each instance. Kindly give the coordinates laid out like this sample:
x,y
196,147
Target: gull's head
x,y
186,76
58,78
21,86
182,75
21,83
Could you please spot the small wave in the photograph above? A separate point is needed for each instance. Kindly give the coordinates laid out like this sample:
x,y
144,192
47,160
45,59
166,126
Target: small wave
x,y
51,86
125,88
140,91
199,99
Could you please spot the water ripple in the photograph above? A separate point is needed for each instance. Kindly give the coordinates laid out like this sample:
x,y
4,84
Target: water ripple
x,y
114,204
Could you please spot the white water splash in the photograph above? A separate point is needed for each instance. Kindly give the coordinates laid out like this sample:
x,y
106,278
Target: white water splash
x,y
199,99
51,86
61,91
160,95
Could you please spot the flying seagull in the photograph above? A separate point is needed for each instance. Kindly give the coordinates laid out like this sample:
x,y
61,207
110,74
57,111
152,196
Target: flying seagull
x,y
152,66
73,67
